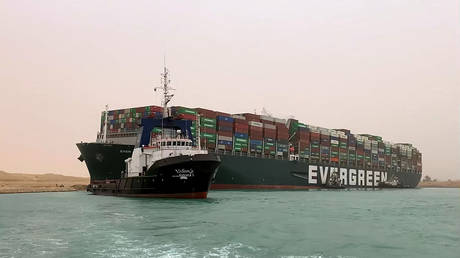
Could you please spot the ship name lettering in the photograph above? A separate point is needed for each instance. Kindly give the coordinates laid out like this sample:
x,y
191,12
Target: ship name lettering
x,y
349,177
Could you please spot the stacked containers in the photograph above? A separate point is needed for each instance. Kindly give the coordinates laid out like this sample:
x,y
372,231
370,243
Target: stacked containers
x,y
300,138
381,156
269,139
256,136
178,112
240,132
282,137
343,151
315,138
335,146
375,152
367,151
359,150
184,113
388,148
255,131
395,156
410,155
128,120
351,149
208,127
325,144
419,162
224,131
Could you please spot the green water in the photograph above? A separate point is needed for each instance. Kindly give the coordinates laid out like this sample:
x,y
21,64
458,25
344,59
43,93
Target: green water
x,y
383,223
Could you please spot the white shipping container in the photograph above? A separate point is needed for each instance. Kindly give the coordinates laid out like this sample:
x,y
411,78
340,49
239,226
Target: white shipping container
x,y
334,142
257,124
325,132
225,138
239,117
375,152
279,120
269,126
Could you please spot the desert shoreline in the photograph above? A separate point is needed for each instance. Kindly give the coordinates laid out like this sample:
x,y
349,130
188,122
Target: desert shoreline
x,y
11,183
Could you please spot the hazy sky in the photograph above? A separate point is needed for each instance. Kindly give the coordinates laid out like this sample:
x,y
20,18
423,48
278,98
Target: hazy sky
x,y
389,68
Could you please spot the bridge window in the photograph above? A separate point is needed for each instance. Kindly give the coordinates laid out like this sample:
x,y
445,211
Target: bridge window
x,y
169,143
174,143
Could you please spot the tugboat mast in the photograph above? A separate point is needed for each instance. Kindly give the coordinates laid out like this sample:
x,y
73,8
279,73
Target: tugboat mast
x,y
166,90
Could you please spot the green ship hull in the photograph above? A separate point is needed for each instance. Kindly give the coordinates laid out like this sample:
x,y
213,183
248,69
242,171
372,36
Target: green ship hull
x,y
106,161
243,172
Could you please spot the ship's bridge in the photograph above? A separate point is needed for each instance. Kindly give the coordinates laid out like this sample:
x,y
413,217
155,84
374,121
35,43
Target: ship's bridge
x,y
172,144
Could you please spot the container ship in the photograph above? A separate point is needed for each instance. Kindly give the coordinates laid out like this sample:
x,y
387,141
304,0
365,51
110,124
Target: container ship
x,y
260,151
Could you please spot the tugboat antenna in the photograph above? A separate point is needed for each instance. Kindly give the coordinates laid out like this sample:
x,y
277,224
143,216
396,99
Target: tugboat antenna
x,y
167,96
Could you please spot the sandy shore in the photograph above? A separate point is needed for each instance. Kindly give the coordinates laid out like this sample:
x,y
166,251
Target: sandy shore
x,y
33,183
440,184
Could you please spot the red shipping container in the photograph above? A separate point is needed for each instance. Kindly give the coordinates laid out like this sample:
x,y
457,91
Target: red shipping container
x,y
251,117
255,128
314,136
252,133
156,109
267,122
241,126
223,114
206,113
225,123
140,110
186,117
240,121
239,130
207,130
225,133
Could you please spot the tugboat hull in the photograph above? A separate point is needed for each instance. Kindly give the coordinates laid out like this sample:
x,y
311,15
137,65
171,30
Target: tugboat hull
x,y
175,177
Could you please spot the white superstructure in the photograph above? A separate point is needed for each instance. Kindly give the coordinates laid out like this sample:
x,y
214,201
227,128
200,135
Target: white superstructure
x,y
144,157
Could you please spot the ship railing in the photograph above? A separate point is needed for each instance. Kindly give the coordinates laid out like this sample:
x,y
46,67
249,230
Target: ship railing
x,y
314,161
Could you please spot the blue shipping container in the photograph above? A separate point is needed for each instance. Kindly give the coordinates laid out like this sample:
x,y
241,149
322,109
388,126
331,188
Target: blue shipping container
x,y
224,128
255,142
225,142
241,135
225,118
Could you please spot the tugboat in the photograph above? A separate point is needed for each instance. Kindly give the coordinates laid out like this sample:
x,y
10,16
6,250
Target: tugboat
x,y
395,183
167,164
334,182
